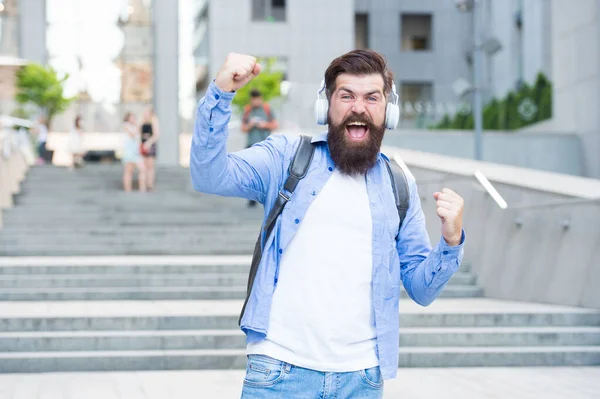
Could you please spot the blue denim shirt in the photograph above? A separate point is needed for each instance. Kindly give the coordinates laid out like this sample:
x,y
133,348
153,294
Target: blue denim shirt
x,y
258,173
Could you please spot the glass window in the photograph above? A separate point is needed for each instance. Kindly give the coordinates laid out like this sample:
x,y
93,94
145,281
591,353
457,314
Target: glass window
x,y
415,98
416,32
361,31
268,10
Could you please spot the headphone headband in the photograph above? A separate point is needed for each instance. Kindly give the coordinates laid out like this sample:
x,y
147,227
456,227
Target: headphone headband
x,y
392,111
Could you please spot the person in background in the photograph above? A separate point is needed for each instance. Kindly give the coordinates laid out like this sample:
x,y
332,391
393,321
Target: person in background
x,y
150,134
76,143
42,136
131,154
258,122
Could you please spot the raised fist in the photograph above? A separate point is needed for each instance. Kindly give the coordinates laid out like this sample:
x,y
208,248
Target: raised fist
x,y
236,72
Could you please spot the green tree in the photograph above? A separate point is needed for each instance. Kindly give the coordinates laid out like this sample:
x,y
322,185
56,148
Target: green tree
x,y
268,82
43,87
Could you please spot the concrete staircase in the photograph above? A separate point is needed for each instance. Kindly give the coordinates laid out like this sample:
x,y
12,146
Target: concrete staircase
x,y
85,212
173,335
95,309
161,282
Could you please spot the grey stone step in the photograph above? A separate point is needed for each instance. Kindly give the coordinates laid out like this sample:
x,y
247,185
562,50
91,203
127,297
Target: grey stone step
x,y
166,293
229,321
139,280
235,339
122,270
27,362
150,238
63,231
149,280
90,250
131,267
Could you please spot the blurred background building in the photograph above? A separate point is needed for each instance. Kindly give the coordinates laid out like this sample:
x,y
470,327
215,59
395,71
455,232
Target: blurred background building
x,y
125,54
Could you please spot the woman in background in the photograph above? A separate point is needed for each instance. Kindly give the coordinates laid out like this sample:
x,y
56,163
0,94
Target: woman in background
x,y
42,136
76,143
150,134
131,154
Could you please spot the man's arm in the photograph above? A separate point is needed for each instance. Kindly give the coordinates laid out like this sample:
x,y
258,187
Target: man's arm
x,y
247,173
426,271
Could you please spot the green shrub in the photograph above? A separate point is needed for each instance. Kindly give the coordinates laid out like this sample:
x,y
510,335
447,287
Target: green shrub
x,y
504,114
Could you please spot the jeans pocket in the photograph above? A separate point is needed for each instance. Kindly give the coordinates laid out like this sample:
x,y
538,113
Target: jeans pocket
x,y
263,371
372,377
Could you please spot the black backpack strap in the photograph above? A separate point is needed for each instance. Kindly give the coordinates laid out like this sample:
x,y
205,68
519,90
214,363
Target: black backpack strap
x,y
400,189
297,171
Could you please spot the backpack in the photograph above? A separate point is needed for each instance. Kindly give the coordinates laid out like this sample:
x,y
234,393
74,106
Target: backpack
x,y
266,108
297,171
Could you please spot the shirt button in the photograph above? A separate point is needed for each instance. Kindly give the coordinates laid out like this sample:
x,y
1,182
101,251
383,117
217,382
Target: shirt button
x,y
314,193
445,252
216,97
210,129
330,169
297,221
281,251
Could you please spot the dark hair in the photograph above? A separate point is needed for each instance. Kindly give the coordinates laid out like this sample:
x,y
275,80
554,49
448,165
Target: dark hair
x,y
78,121
358,62
254,93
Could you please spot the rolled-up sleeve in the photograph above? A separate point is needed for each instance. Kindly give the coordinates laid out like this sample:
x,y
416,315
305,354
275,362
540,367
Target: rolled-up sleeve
x,y
246,173
425,271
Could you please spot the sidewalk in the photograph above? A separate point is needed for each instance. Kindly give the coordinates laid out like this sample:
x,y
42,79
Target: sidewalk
x,y
459,383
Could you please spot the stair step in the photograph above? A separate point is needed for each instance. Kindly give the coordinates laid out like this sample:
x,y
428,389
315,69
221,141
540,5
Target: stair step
x,y
32,362
149,280
144,320
166,293
128,340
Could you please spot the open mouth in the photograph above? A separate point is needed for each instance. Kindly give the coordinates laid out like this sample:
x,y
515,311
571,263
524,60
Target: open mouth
x,y
357,131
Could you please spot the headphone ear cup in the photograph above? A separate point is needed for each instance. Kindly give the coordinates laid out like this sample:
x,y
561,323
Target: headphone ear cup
x,y
392,116
321,108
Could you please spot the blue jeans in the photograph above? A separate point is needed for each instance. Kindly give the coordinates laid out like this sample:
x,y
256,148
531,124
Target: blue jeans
x,y
269,378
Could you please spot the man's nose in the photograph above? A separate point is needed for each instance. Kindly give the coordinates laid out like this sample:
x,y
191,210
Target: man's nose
x,y
359,106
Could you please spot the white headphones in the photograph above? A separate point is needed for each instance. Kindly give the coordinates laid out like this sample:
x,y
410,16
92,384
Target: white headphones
x,y
392,111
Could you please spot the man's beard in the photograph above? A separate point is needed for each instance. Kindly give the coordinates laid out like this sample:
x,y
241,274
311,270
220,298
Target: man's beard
x,y
354,158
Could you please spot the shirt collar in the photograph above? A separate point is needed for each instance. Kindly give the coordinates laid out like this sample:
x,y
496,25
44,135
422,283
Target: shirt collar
x,y
319,138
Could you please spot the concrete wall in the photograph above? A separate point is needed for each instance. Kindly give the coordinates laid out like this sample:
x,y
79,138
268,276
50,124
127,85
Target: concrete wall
x,y
314,33
166,79
539,260
32,28
560,153
576,75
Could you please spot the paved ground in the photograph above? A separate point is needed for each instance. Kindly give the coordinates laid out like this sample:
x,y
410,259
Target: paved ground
x,y
467,383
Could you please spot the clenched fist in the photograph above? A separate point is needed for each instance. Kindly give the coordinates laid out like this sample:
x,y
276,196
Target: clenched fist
x,y
236,72
450,210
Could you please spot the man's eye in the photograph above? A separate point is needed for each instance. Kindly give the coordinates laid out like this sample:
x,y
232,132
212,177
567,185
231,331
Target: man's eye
x,y
346,97
372,98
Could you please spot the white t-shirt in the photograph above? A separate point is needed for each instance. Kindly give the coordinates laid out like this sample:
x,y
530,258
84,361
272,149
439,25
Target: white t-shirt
x,y
322,311
42,133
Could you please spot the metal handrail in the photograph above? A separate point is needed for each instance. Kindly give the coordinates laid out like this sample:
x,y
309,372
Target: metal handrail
x,y
478,175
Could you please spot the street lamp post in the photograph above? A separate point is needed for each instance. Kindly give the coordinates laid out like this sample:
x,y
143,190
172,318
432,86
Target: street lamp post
x,y
477,53
477,95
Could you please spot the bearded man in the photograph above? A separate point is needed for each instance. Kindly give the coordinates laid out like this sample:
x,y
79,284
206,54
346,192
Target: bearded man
x,y
321,318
